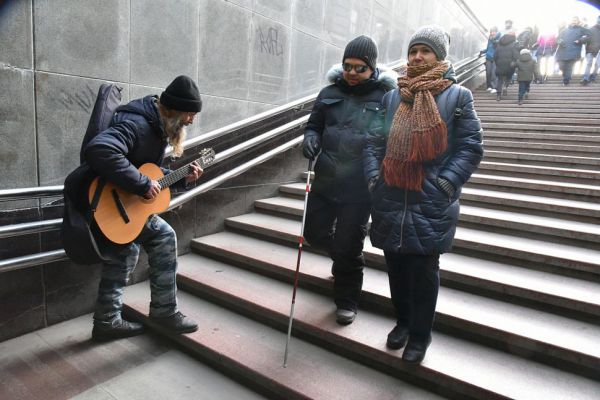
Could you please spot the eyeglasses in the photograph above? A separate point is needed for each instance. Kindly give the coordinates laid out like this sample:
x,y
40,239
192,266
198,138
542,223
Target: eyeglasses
x,y
358,68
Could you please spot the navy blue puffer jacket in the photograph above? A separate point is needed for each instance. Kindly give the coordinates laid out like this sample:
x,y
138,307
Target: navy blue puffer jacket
x,y
424,222
339,121
570,42
135,137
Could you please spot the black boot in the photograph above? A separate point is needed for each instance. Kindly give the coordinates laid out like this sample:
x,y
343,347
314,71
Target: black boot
x,y
176,323
397,338
498,96
117,329
415,350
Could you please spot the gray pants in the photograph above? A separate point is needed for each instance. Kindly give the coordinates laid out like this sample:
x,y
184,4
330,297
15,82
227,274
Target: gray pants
x,y
160,242
490,74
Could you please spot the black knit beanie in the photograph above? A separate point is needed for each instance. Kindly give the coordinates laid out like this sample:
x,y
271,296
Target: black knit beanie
x,y
182,95
363,48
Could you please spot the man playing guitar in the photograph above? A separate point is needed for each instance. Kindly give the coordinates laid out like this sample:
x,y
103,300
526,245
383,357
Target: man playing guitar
x,y
139,134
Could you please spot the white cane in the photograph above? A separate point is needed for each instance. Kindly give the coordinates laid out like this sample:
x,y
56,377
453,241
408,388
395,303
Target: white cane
x,y
300,241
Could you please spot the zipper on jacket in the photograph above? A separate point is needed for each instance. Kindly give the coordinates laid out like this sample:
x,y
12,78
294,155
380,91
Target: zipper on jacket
x,y
403,218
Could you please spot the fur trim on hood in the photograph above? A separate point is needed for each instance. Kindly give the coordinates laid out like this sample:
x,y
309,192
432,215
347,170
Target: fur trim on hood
x,y
387,77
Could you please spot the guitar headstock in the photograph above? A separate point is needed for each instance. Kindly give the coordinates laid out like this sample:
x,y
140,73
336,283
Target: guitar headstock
x,y
207,157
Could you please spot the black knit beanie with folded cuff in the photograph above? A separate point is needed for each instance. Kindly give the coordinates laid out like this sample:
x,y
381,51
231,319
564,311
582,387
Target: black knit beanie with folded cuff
x,y
363,48
182,95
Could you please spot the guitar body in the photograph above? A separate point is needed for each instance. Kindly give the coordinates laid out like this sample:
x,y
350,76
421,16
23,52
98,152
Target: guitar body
x,y
109,216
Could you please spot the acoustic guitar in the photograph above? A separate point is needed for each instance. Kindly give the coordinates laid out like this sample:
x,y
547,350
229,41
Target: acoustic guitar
x,y
121,215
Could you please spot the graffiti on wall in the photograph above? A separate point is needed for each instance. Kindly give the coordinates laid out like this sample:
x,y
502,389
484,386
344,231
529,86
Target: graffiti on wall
x,y
82,99
268,41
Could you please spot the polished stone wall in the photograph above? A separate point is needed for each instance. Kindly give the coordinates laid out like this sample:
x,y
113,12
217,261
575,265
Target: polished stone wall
x,y
247,56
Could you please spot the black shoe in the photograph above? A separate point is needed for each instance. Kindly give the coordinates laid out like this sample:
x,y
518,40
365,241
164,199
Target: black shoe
x,y
520,101
176,323
344,317
397,338
498,97
117,329
505,92
415,350
585,83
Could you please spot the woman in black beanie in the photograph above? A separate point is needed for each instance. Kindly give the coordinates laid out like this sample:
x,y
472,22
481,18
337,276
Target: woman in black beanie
x,y
339,203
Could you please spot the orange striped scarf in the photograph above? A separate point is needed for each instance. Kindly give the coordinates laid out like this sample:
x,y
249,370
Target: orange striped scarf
x,y
418,133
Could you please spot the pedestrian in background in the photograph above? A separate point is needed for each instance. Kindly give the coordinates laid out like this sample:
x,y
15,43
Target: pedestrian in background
x,y
505,58
570,42
525,73
490,65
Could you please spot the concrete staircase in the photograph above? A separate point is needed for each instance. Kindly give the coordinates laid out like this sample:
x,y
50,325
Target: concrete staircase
x,y
518,314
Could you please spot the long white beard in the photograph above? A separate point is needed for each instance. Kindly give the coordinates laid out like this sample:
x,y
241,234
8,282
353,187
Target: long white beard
x,y
176,133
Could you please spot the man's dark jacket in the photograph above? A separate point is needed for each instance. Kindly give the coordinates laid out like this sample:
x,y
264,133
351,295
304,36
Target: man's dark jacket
x,y
506,55
135,137
339,119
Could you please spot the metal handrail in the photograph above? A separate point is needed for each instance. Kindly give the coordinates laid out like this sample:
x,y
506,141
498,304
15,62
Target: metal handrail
x,y
23,262
54,224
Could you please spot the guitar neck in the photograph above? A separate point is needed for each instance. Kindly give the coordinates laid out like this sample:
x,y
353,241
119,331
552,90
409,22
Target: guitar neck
x,y
176,175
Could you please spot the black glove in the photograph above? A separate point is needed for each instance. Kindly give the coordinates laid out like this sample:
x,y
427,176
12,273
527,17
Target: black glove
x,y
312,146
372,183
446,186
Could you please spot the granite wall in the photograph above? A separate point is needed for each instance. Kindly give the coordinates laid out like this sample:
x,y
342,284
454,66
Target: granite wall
x,y
247,55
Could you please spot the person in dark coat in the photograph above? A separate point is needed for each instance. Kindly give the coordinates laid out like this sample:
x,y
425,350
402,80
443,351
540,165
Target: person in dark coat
x,y
592,47
416,161
525,73
526,39
139,134
339,202
569,42
505,58
490,65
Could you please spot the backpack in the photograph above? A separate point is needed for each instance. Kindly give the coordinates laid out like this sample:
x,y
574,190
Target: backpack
x,y
77,233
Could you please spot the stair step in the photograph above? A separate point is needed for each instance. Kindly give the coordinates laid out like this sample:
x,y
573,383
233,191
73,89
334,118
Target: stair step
x,y
492,105
517,221
253,353
543,147
520,201
562,128
513,200
554,172
569,258
490,114
453,364
534,286
569,190
512,220
544,159
546,137
517,200
527,119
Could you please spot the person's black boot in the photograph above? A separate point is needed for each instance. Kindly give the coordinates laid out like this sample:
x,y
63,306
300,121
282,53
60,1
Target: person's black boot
x,y
117,329
415,350
176,323
397,338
